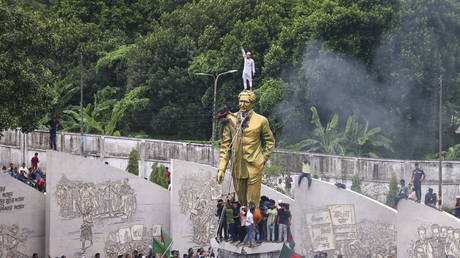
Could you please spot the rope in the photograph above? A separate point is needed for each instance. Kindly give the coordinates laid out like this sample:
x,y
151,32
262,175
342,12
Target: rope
x,y
239,129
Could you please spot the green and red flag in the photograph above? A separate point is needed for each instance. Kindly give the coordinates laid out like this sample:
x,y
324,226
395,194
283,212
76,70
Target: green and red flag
x,y
291,242
165,239
158,248
287,252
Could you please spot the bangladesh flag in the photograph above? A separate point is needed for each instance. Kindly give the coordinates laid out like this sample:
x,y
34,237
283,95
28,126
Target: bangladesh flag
x,y
165,239
291,241
158,248
287,252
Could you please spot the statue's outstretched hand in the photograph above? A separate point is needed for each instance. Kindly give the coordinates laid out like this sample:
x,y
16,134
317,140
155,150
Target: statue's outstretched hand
x,y
220,176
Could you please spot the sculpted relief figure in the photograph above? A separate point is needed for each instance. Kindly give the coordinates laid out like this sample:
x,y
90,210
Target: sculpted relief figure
x,y
422,248
248,142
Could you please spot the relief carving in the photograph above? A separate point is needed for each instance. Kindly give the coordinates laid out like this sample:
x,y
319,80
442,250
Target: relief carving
x,y
198,200
111,199
128,239
335,231
13,241
438,241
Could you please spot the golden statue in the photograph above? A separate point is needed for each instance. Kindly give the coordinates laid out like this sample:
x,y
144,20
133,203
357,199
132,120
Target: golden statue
x,y
248,141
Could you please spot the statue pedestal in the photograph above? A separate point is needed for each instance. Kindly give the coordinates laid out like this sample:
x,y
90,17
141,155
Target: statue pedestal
x,y
265,250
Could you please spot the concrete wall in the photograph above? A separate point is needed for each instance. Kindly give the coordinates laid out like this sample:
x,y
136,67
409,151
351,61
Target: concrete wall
x,y
92,207
22,219
426,232
17,147
340,221
194,195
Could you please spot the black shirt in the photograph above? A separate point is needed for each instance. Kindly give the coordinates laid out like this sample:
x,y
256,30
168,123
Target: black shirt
x,y
417,174
430,198
284,216
53,124
222,112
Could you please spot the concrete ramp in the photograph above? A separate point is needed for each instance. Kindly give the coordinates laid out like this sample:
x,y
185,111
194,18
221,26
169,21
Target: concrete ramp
x,y
22,219
426,232
95,208
340,221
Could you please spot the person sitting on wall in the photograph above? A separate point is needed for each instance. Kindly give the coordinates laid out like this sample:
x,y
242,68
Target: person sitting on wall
x,y
456,210
305,171
430,198
403,192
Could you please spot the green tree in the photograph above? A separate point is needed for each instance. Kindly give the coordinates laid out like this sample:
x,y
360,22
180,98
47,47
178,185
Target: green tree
x,y
393,191
133,162
25,61
159,175
270,175
326,139
361,142
356,184
103,116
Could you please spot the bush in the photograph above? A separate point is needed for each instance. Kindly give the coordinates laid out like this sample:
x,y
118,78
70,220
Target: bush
x,y
393,191
356,184
159,175
270,174
133,162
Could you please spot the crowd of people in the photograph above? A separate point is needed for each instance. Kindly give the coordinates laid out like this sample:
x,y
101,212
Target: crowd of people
x,y
33,175
242,225
413,191
191,253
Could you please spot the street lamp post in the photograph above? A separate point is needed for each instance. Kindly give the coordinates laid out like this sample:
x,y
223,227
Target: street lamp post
x,y
81,105
216,78
440,144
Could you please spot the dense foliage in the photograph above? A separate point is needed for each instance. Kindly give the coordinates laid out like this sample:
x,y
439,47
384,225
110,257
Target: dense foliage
x,y
356,184
133,162
393,191
159,175
377,63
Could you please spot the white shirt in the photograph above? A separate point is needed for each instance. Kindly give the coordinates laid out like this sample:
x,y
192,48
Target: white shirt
x,y
26,171
249,66
249,219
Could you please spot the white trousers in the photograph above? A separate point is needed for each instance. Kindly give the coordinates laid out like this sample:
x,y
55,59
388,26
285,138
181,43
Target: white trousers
x,y
247,77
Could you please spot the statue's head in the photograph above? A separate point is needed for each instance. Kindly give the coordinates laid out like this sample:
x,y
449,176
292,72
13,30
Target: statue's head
x,y
246,99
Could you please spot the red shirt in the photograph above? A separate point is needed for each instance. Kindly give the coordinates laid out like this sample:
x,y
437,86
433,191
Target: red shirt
x,y
168,174
34,162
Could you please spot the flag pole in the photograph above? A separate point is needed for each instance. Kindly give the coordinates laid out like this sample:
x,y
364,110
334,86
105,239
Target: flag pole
x,y
169,246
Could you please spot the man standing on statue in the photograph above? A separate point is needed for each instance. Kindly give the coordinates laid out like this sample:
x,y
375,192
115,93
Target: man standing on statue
x,y
248,141
249,69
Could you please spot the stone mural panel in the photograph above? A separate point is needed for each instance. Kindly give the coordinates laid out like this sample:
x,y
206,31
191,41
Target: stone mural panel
x,y
124,240
22,219
111,199
435,241
335,231
198,201
96,208
13,241
350,224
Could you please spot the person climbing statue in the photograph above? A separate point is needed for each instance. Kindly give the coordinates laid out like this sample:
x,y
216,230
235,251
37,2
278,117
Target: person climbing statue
x,y
249,69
